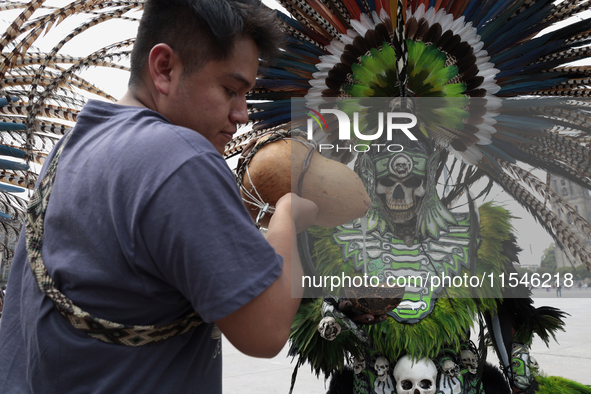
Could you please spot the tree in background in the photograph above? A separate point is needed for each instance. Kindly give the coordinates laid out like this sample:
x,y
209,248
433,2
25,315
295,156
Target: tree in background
x,y
582,272
548,262
522,271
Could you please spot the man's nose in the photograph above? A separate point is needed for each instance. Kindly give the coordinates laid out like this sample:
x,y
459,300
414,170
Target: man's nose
x,y
239,113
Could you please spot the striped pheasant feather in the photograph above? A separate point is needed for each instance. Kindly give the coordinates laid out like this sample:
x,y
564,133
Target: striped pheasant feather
x,y
453,49
352,48
44,89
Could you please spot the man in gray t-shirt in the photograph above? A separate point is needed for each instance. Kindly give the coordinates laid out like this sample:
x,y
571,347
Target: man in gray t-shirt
x,y
145,223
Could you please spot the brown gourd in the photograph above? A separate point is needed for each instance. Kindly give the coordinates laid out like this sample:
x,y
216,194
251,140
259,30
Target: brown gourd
x,y
275,170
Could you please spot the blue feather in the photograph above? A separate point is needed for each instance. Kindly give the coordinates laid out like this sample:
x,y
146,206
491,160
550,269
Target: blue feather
x,y
506,150
526,53
10,151
559,36
310,48
10,189
522,124
269,113
361,6
494,10
372,5
528,19
4,101
276,121
277,73
8,126
270,105
299,27
297,65
269,96
283,85
532,70
13,165
468,12
492,152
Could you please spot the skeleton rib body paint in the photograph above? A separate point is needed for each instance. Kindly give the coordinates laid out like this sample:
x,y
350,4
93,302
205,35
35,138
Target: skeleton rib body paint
x,y
386,242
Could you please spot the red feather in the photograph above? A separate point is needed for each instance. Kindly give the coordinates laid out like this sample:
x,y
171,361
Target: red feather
x,y
328,15
353,8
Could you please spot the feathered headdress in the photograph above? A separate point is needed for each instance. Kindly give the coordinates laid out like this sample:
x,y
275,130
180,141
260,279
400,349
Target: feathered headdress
x,y
498,72
450,49
42,90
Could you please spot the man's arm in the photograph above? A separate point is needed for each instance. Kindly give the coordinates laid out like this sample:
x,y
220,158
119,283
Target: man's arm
x,y
261,327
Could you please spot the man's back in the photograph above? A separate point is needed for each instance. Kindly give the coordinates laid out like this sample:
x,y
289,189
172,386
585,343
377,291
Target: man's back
x,y
129,238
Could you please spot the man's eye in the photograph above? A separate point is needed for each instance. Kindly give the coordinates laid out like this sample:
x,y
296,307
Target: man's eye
x,y
231,92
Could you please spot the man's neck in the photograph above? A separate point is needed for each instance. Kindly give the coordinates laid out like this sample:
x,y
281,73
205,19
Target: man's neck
x,y
130,98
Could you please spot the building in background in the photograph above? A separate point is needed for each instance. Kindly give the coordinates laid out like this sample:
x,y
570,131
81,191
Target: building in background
x,y
580,200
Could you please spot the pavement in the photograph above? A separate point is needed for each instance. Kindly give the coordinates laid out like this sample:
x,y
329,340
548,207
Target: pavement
x,y
569,356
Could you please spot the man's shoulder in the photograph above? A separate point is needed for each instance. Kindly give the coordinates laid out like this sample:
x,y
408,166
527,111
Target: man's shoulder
x,y
139,131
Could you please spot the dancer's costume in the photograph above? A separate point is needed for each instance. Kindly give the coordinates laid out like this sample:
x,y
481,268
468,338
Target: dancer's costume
x,y
454,64
407,52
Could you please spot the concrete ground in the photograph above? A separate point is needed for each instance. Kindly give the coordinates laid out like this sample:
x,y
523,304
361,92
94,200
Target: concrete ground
x,y
570,357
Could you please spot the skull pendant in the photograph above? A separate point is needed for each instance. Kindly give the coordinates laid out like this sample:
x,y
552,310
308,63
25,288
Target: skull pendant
x,y
415,376
329,328
470,361
401,191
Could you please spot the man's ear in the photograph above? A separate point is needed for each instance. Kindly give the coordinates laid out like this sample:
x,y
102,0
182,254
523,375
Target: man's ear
x,y
164,65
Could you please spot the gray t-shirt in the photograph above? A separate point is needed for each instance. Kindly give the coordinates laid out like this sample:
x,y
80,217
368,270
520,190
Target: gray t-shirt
x,y
144,223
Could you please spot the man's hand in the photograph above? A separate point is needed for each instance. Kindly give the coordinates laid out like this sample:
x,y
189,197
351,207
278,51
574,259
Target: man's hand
x,y
261,327
303,211
346,307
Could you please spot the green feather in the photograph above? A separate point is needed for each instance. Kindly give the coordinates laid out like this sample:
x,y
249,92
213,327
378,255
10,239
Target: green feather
x,y
361,75
429,76
359,90
371,64
377,56
442,76
555,384
431,59
454,90
389,56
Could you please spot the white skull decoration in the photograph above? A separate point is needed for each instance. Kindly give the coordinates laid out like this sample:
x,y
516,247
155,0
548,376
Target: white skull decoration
x,y
382,365
415,376
359,365
401,191
329,328
533,363
451,369
470,361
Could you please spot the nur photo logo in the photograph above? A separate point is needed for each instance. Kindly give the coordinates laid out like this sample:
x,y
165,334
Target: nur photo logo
x,y
387,122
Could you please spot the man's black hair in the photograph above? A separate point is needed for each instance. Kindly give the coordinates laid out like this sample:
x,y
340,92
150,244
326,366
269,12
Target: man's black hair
x,y
202,30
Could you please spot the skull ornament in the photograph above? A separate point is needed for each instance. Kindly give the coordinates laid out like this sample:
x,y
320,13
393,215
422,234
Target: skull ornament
x,y
329,328
401,165
359,365
415,377
533,363
470,361
451,369
401,191
381,366
520,372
